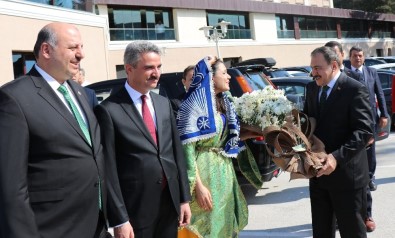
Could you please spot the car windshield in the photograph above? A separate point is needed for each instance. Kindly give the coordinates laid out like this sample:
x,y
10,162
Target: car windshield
x,y
280,73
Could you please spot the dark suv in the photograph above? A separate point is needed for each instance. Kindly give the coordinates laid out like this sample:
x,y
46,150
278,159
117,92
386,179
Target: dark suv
x,y
265,65
243,79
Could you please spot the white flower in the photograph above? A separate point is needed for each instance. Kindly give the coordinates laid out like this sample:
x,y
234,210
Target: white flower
x,y
264,107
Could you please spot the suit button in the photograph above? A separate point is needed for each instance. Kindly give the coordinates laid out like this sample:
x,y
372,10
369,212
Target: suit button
x,y
159,180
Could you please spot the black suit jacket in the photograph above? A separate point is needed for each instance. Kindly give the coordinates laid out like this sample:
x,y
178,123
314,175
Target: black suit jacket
x,y
48,171
344,126
135,162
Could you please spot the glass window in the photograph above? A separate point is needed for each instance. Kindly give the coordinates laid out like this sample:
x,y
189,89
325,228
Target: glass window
x,y
285,26
71,4
127,23
239,27
22,62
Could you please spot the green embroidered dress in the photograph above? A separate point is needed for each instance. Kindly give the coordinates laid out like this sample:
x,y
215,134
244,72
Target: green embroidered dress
x,y
229,214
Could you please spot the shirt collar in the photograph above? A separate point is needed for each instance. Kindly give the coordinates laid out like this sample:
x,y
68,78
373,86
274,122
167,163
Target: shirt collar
x,y
50,80
360,68
134,94
331,83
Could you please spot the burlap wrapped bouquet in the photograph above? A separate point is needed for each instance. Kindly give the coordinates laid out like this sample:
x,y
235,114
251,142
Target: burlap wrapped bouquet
x,y
296,149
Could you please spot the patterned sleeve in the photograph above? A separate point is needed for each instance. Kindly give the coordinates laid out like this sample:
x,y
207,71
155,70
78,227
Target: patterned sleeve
x,y
190,157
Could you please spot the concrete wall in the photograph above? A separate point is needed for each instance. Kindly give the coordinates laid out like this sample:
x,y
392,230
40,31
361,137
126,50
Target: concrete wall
x,y
21,21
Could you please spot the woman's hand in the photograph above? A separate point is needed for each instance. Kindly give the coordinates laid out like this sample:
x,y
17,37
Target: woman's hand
x,y
203,197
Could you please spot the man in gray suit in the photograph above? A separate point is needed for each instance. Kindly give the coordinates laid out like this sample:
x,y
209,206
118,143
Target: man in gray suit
x,y
144,156
51,162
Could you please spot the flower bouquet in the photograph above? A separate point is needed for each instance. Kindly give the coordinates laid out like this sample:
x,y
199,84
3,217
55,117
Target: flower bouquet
x,y
289,133
262,108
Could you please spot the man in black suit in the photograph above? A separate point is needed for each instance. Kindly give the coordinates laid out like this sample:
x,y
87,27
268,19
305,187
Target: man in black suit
x,y
337,47
370,78
51,161
146,166
341,107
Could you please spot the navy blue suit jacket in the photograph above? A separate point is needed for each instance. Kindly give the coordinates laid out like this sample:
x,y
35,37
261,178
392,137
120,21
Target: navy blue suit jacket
x,y
372,81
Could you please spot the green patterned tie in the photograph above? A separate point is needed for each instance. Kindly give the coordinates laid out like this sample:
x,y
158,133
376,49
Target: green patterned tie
x,y
63,90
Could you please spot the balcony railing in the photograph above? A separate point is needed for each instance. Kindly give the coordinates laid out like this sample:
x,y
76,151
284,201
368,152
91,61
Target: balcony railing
x,y
286,34
238,34
127,34
317,34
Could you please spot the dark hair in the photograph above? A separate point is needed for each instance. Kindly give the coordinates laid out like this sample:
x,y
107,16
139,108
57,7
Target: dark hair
x,y
333,44
186,70
215,65
46,35
328,53
219,97
355,48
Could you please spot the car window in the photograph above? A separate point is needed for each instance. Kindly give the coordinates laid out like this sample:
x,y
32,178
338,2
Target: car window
x,y
256,81
280,73
385,80
294,93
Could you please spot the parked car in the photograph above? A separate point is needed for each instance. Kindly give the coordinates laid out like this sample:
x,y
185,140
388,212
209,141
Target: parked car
x,y
243,79
387,79
266,66
387,59
298,70
388,66
295,90
368,62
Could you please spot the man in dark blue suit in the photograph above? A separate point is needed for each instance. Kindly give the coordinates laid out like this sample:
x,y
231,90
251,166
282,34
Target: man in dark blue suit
x,y
370,78
90,93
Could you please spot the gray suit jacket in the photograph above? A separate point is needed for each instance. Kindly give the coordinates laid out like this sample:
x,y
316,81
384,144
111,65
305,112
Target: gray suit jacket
x,y
136,164
48,171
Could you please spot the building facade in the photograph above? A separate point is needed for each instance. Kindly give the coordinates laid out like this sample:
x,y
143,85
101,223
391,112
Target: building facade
x,y
286,30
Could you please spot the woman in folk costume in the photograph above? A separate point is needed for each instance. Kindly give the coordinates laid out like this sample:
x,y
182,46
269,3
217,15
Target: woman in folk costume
x,y
210,132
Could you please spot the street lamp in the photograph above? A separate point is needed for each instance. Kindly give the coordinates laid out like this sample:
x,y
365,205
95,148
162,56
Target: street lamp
x,y
217,33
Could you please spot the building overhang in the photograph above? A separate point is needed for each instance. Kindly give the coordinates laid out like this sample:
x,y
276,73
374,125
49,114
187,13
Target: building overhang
x,y
255,6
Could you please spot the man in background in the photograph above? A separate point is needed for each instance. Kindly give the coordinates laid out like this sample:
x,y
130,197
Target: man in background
x,y
90,93
370,78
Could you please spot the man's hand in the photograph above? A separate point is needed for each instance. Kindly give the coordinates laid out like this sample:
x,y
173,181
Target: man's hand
x,y
185,215
329,165
124,231
383,121
247,134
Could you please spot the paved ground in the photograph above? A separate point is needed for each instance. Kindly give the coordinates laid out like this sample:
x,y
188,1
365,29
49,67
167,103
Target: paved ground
x,y
282,207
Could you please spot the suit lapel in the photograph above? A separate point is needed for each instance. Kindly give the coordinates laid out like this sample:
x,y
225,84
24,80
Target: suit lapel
x,y
336,90
158,107
128,106
46,92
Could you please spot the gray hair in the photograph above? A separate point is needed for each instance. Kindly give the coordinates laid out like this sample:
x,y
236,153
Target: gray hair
x,y
135,49
328,53
46,35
